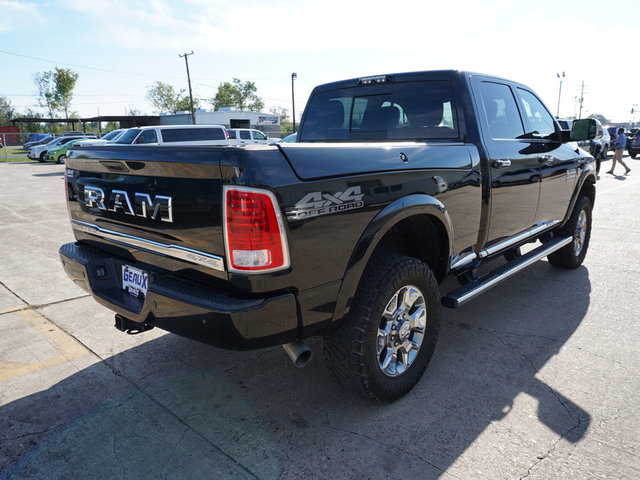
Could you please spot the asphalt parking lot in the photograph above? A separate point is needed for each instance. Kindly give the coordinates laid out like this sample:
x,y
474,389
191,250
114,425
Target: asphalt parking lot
x,y
536,379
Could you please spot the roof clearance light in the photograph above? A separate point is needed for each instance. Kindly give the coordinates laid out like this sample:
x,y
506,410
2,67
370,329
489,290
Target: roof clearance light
x,y
374,79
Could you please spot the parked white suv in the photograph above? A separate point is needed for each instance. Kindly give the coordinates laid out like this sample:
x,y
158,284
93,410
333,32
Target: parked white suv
x,y
246,136
175,135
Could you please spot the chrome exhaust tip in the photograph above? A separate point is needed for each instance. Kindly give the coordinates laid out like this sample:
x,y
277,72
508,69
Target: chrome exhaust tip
x,y
299,353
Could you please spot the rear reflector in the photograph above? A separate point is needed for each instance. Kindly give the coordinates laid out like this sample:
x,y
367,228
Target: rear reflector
x,y
254,233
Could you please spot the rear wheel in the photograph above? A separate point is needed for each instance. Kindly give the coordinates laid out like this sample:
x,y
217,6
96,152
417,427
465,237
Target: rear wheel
x,y
633,154
385,343
62,158
579,227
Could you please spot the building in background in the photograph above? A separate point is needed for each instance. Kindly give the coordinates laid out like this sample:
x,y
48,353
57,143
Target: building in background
x,y
265,122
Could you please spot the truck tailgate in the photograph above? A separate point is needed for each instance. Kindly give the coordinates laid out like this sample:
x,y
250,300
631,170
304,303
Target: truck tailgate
x,y
149,202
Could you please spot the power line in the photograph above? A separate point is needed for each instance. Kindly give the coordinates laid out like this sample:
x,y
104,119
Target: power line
x,y
120,72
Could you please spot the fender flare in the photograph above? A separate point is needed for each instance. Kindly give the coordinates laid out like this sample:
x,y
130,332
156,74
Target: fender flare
x,y
400,209
588,175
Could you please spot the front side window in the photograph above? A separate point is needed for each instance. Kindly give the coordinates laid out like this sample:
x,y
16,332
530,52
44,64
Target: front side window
x,y
258,135
147,136
539,119
128,136
245,135
407,111
501,111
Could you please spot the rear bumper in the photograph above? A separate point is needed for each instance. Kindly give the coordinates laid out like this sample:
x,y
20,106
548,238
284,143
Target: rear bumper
x,y
184,307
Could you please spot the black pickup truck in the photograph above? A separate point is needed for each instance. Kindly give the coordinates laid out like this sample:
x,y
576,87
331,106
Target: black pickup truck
x,y
396,183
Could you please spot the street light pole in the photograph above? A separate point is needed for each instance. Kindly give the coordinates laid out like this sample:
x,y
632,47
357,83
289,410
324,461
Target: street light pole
x,y
294,75
559,93
186,62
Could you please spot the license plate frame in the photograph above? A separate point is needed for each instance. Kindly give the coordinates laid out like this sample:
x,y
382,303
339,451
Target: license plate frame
x,y
134,281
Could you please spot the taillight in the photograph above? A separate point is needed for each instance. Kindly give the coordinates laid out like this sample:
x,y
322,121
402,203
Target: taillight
x,y
254,233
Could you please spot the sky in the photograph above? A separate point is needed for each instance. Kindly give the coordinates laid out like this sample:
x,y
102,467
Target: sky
x,y
120,48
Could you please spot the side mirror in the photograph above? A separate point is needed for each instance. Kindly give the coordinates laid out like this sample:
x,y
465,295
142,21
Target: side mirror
x,y
583,129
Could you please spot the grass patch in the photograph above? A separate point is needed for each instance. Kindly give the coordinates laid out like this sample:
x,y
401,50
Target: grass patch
x,y
14,154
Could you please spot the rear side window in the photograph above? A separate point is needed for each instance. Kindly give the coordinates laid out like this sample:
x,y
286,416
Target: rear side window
x,y
232,134
245,135
408,111
170,135
502,113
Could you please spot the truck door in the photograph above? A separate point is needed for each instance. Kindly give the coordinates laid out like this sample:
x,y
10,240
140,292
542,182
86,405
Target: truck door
x,y
557,160
513,161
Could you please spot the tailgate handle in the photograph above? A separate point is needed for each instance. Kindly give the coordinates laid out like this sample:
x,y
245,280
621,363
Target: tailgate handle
x,y
115,166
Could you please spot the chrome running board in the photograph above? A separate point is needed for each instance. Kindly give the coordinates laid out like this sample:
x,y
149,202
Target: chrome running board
x,y
472,289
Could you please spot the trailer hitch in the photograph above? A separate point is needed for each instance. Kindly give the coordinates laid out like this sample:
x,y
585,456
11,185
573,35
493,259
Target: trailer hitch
x,y
130,327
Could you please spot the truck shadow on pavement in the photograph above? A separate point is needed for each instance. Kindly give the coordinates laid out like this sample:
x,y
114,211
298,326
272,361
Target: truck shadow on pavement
x,y
173,408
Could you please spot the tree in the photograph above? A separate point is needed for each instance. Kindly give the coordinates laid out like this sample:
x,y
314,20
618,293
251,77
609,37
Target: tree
x,y
46,91
598,116
6,110
243,96
64,80
55,90
164,98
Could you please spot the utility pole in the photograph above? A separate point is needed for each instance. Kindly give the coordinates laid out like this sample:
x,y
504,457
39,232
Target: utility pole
x,y
294,75
559,93
186,62
581,99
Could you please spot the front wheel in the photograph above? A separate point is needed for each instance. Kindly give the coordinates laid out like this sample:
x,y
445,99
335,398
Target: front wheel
x,y
579,227
386,341
43,157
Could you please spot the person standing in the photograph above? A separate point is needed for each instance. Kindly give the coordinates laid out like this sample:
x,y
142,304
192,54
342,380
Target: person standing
x,y
621,143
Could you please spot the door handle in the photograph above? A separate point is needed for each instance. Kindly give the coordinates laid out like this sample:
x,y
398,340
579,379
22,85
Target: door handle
x,y
501,163
545,158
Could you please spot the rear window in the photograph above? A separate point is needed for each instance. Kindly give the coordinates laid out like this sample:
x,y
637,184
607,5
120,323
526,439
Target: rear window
x,y
406,111
191,134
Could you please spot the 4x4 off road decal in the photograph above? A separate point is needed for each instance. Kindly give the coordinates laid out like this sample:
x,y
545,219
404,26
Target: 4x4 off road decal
x,y
315,204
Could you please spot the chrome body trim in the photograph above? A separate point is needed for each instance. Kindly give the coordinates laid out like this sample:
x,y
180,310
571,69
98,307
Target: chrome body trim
x,y
175,251
517,239
496,280
463,261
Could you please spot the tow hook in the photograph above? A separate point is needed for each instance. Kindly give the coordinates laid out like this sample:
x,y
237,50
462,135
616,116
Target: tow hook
x,y
130,327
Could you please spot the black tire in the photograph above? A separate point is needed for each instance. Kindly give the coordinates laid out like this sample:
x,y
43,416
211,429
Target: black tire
x,y
353,352
579,227
61,159
43,157
598,164
633,154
